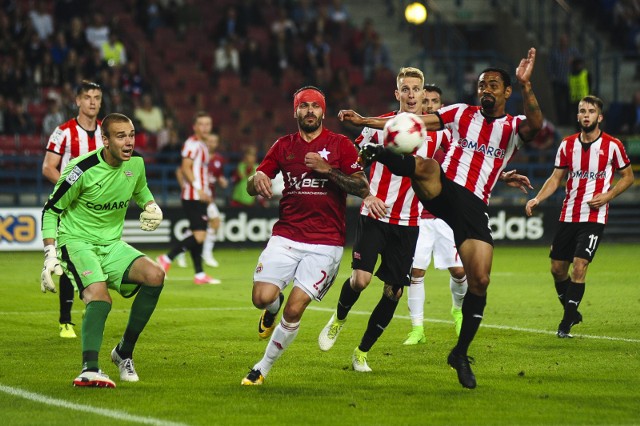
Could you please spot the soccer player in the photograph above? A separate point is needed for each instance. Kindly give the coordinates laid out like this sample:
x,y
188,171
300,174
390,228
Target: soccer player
x,y
484,139
71,139
588,160
216,176
435,239
85,215
320,168
196,196
392,237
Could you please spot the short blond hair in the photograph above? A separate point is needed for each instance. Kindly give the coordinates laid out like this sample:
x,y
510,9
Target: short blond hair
x,y
409,72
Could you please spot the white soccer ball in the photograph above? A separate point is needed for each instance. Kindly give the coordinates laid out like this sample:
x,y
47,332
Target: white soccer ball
x,y
404,133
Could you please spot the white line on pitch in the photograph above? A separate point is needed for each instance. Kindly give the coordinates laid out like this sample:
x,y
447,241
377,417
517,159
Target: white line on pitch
x,y
315,308
104,412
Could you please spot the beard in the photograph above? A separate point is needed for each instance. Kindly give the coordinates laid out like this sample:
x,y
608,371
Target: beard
x,y
309,128
590,128
488,102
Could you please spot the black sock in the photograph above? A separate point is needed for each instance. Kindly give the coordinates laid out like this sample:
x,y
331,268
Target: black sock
x,y
196,256
472,312
182,246
399,165
348,297
575,291
378,321
66,294
561,289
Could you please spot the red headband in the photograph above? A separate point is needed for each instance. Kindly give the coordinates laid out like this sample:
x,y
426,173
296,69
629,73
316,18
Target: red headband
x,y
309,96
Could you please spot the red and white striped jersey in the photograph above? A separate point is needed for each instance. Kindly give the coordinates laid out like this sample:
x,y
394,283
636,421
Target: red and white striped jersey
x,y
197,151
395,191
443,140
70,140
480,147
591,167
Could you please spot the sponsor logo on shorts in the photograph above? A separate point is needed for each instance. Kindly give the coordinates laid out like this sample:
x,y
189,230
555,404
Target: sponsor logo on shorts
x,y
259,268
356,255
87,273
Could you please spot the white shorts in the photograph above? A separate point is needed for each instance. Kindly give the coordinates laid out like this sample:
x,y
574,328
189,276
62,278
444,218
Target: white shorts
x,y
312,267
435,238
212,211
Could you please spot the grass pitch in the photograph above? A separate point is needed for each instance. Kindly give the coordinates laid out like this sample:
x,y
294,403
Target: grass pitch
x,y
202,340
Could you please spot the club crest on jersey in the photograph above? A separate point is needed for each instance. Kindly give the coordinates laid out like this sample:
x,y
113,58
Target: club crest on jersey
x,y
74,175
483,149
128,173
290,156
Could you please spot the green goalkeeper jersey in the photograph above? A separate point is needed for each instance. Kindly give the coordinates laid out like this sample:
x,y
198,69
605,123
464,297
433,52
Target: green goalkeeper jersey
x,y
91,198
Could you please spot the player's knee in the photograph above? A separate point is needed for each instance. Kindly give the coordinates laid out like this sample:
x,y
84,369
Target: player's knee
x,y
359,282
155,275
393,292
293,313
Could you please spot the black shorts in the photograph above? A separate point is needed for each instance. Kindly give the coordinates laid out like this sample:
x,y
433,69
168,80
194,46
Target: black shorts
x,y
465,213
396,245
196,212
580,239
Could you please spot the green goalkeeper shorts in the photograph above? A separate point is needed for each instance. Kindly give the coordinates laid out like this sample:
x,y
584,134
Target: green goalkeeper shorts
x,y
86,263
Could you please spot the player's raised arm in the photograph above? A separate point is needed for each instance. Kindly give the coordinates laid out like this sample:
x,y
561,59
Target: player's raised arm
x,y
530,127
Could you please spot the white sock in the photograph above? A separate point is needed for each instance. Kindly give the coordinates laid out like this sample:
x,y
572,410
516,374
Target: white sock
x,y
415,300
281,338
209,242
274,307
458,290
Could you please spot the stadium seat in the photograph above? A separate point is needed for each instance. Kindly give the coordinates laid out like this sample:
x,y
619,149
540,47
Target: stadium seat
x,y
31,145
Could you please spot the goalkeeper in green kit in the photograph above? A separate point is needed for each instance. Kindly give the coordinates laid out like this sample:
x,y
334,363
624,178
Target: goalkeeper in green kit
x,y
82,225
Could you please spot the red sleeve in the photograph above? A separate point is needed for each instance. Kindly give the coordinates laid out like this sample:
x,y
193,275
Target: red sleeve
x,y
348,157
270,164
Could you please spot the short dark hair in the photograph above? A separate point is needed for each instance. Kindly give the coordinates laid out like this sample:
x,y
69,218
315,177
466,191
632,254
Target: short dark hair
x,y
433,88
200,114
114,117
593,100
506,78
85,86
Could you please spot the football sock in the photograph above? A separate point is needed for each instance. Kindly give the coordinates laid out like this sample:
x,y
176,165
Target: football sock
x,y
93,323
399,165
458,290
379,320
182,246
561,289
141,310
209,242
575,291
348,297
472,311
66,294
196,256
284,333
274,307
415,301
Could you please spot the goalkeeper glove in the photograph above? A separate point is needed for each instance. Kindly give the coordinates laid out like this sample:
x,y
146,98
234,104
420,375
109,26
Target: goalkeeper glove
x,y
51,264
369,153
151,217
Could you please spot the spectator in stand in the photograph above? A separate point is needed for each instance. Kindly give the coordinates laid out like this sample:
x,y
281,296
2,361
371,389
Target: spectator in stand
x,y
170,151
246,168
4,125
251,58
340,89
42,20
579,83
376,57
304,14
631,116
560,59
361,39
20,121
131,81
46,73
8,80
231,25
339,16
76,37
282,23
59,49
97,32
280,55
94,65
227,57
33,51
54,114
318,60
149,115
71,68
540,149
113,51
119,103
162,137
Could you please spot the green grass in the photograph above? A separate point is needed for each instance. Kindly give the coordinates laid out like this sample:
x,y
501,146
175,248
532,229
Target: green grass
x,y
201,341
